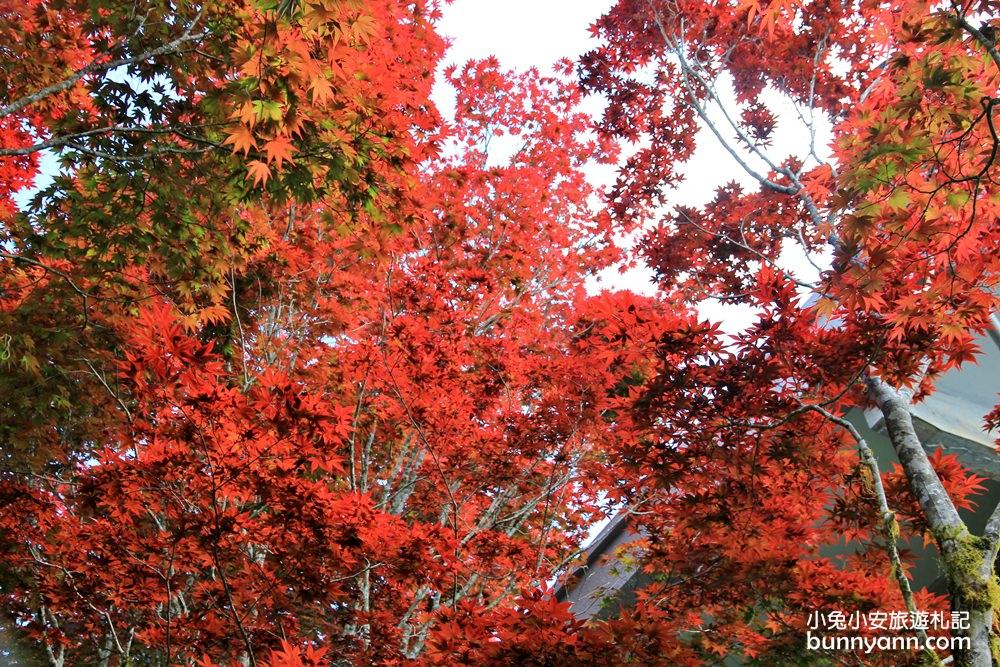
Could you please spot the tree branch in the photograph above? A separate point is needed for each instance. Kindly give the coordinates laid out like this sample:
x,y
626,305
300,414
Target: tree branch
x,y
936,504
889,525
986,42
96,67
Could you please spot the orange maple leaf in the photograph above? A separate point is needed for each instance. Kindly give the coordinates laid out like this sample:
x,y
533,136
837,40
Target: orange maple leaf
x,y
364,28
245,114
322,90
260,171
279,150
241,139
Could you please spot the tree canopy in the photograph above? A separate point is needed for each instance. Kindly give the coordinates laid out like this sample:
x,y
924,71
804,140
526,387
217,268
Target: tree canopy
x,y
296,371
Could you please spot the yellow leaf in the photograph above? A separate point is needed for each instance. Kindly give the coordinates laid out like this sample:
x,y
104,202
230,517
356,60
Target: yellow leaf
x,y
899,199
214,315
30,364
364,28
825,307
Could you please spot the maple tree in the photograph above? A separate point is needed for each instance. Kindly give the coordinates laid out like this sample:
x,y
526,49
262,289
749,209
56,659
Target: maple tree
x,y
293,365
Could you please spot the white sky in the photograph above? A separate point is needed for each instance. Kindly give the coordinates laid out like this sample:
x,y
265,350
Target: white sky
x,y
559,29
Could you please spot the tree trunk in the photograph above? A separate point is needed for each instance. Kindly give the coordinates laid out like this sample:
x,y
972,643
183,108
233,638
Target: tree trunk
x,y
967,559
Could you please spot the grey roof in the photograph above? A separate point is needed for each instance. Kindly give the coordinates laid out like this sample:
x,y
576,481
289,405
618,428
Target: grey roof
x,y
603,583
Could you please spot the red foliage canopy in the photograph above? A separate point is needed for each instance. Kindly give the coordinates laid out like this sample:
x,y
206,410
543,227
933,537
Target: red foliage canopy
x,y
295,371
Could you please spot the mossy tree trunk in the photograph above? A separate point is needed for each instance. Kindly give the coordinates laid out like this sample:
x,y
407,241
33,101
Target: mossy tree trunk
x,y
968,560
